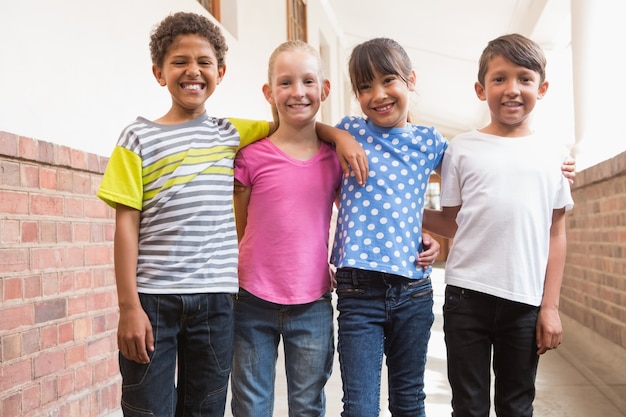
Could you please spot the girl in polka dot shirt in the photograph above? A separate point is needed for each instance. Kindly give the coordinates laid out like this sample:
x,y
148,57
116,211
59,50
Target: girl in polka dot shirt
x,y
385,295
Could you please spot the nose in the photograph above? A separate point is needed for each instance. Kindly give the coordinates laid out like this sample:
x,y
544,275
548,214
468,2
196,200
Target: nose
x,y
193,70
512,88
380,93
297,89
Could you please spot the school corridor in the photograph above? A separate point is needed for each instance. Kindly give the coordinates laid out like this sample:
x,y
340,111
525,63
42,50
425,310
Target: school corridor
x,y
584,377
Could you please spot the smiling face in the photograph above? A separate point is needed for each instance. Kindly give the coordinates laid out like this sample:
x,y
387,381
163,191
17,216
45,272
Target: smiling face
x,y
385,99
191,73
511,92
296,87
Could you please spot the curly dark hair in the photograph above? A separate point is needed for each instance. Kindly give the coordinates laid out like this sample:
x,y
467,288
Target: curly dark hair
x,y
183,23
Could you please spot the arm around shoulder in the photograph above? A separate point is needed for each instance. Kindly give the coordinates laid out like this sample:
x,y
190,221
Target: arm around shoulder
x,y
441,222
349,151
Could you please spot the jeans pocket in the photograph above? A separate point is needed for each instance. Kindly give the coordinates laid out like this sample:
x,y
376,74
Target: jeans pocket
x,y
453,297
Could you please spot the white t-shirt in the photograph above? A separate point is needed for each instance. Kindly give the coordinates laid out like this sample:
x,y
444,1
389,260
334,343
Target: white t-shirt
x,y
507,189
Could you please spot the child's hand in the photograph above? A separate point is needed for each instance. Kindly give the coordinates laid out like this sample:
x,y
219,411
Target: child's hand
x,y
569,169
134,335
431,251
352,155
549,331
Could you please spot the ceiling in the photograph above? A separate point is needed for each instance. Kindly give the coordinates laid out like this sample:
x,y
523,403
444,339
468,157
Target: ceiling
x,y
444,39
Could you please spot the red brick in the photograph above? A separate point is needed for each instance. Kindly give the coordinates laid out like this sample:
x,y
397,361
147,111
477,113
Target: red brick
x,y
81,183
46,258
48,178
13,289
46,152
81,232
64,158
49,391
49,336
30,398
84,378
30,232
47,232
98,255
14,260
10,231
66,332
83,279
75,257
64,180
66,282
79,159
48,205
96,209
75,355
13,202
12,406
32,286
50,283
74,207
8,144
11,347
65,383
15,375
27,148
9,172
64,232
48,363
29,176
99,348
50,310
82,328
31,341
14,317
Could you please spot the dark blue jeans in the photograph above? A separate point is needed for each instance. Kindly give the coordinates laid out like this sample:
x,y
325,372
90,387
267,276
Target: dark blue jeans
x,y
382,313
194,335
477,326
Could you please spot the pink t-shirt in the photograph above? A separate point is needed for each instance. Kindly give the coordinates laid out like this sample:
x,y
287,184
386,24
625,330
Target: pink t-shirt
x,y
283,256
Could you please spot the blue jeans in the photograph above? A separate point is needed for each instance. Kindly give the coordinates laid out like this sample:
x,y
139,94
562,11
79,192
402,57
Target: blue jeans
x,y
474,324
381,313
192,334
308,341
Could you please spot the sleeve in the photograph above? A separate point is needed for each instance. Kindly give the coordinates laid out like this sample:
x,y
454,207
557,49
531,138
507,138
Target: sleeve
x,y
250,130
242,173
450,185
122,181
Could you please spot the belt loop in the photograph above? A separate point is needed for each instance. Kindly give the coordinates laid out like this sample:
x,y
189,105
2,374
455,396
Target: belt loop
x,y
355,280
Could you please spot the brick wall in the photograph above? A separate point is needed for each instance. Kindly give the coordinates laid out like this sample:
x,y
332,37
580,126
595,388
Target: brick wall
x,y
594,287
58,305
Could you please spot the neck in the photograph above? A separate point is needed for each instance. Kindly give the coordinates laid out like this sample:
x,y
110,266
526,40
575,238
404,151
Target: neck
x,y
299,142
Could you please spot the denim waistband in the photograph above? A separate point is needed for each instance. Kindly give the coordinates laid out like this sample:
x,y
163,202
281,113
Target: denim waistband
x,y
359,275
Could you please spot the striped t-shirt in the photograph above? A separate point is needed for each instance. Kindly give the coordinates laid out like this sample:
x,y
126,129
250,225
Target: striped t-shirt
x,y
181,179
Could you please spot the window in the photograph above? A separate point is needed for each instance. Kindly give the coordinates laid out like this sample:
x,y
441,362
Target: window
x,y
213,6
296,20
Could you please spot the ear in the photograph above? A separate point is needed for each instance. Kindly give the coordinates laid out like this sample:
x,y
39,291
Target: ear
x,y
480,91
220,73
412,80
158,74
325,89
543,89
267,92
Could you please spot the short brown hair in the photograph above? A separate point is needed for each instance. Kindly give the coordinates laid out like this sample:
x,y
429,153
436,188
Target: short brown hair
x,y
516,48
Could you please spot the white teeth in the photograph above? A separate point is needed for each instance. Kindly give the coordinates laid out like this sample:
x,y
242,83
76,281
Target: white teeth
x,y
192,87
383,108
